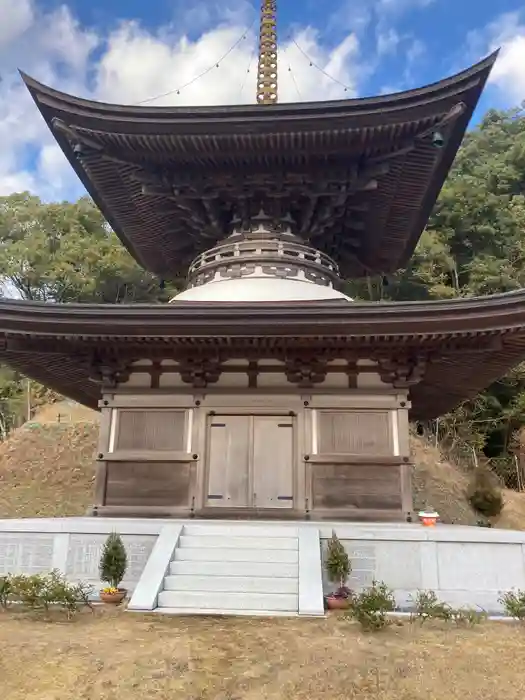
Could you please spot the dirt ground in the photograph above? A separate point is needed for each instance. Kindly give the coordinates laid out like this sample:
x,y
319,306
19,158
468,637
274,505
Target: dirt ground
x,y
114,655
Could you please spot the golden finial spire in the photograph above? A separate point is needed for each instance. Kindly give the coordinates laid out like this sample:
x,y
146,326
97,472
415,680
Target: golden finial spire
x,y
267,71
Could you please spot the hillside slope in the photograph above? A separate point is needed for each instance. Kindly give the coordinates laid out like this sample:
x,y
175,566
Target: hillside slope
x,y
47,469
442,485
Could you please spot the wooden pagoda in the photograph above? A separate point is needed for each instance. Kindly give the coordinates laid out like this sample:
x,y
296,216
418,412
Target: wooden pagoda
x,y
262,390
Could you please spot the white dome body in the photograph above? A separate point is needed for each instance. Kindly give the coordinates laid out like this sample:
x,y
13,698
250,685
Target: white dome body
x,y
259,263
261,289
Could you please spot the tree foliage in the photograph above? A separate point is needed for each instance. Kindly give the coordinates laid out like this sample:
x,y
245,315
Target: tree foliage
x,y
65,252
61,252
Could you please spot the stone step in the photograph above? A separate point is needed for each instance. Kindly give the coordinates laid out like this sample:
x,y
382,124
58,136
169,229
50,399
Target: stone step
x,y
226,613
239,530
283,556
229,568
231,542
217,600
232,584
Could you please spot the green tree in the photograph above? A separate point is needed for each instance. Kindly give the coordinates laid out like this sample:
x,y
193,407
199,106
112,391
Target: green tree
x,y
65,252
61,252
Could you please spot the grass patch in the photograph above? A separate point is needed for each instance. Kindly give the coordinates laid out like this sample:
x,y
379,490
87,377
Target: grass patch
x,y
114,655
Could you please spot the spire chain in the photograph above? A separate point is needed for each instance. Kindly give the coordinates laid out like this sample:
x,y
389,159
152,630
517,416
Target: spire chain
x,y
267,71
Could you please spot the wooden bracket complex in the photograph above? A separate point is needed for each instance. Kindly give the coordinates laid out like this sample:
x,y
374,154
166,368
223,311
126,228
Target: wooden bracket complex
x,y
403,372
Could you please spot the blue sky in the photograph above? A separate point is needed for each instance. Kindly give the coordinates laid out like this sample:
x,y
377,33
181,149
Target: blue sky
x,y
133,51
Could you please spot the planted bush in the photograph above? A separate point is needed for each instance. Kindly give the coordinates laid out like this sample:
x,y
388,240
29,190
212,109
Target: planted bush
x,y
514,604
113,561
371,607
42,591
338,566
5,591
428,607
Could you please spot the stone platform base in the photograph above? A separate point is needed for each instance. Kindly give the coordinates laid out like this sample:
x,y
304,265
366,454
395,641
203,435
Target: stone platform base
x,y
270,568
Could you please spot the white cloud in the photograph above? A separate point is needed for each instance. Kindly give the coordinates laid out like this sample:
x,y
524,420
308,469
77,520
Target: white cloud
x,y
509,71
132,64
507,33
17,16
387,41
53,47
137,65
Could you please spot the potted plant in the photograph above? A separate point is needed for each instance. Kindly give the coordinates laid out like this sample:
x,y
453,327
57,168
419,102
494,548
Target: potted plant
x,y
338,568
112,569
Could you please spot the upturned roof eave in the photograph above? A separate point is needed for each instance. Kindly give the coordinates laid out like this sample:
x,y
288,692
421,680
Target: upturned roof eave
x,y
47,97
465,316
132,133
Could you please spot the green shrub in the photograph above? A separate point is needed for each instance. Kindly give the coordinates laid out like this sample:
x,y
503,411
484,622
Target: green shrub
x,y
514,604
428,607
67,595
113,561
338,566
484,495
30,591
371,607
5,591
41,591
468,617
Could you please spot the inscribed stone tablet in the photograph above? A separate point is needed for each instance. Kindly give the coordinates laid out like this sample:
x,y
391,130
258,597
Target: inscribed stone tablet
x,y
25,553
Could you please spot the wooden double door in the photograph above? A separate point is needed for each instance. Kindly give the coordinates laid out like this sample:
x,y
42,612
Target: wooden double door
x,y
250,462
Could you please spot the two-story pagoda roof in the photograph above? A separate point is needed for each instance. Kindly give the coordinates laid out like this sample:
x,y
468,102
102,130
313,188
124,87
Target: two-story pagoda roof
x,y
359,177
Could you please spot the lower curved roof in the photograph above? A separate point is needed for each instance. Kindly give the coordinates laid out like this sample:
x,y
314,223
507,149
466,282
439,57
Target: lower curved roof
x,y
466,343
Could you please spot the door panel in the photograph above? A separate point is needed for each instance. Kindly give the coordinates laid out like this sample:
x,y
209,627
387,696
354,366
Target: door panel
x,y
272,462
228,461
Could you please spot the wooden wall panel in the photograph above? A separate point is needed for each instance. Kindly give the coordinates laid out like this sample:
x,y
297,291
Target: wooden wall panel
x,y
148,483
355,432
147,429
356,486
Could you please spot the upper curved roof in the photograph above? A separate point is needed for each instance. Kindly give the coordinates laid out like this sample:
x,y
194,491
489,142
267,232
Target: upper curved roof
x,y
467,343
360,176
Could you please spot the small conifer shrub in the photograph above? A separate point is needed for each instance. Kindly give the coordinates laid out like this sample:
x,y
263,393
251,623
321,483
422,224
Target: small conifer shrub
x,y
113,561
338,566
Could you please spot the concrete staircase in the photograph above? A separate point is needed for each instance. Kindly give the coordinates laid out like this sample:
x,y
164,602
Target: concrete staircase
x,y
233,569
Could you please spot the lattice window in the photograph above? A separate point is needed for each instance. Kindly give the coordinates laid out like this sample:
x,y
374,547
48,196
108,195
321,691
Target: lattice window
x,y
151,430
355,432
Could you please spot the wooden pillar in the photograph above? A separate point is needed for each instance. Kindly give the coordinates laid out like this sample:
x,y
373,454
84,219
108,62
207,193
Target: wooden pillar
x,y
106,416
